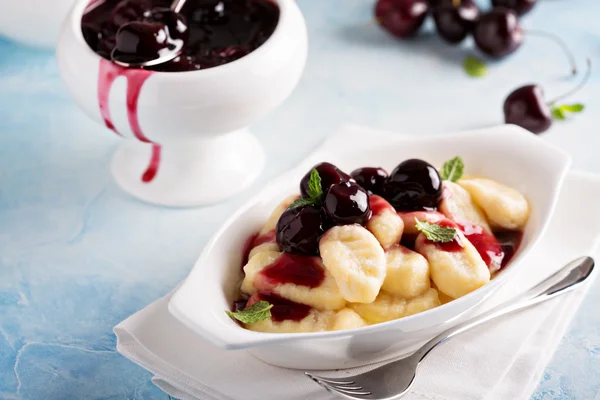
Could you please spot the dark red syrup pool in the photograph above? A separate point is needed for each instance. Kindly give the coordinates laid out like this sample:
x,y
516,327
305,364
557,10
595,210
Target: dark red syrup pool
x,y
219,32
378,205
496,249
283,309
292,268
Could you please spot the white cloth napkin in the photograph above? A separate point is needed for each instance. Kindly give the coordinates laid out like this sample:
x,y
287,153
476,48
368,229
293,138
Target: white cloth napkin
x,y
501,360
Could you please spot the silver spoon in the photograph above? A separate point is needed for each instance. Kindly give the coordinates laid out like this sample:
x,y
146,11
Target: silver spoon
x,y
164,56
393,380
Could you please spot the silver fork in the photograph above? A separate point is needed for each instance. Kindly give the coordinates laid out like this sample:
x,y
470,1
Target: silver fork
x,y
391,381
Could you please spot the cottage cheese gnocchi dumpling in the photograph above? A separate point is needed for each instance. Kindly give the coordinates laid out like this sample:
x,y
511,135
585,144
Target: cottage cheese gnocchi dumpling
x,y
385,224
314,321
458,206
297,278
347,319
407,273
456,268
504,206
291,317
387,307
408,219
356,260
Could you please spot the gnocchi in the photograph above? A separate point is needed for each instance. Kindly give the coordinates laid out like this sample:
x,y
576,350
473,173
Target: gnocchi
x,y
367,248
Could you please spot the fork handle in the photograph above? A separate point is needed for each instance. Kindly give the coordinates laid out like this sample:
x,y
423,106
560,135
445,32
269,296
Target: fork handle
x,y
566,279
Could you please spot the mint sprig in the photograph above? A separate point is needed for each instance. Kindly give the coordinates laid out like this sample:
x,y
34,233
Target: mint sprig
x,y
301,202
474,67
257,312
315,191
435,232
452,170
314,185
560,112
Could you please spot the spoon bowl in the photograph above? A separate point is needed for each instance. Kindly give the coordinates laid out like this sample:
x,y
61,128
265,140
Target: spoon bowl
x,y
173,46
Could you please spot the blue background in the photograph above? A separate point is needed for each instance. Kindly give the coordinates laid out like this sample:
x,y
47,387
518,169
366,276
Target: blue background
x,y
77,255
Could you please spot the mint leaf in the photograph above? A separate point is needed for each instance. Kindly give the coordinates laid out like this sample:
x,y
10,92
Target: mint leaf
x,y
436,233
474,67
452,170
561,111
315,191
572,108
257,312
301,202
557,113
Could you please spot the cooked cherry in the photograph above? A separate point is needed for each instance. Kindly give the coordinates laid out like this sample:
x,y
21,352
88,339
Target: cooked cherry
x,y
106,46
138,42
92,35
370,178
299,229
175,22
413,185
130,10
401,18
347,203
329,174
219,31
498,32
211,11
526,107
454,22
520,6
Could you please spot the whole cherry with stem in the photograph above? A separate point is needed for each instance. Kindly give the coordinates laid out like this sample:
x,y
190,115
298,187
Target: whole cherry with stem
x,y
527,108
499,33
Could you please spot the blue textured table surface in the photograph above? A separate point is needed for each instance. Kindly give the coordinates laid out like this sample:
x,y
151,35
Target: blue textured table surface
x,y
77,255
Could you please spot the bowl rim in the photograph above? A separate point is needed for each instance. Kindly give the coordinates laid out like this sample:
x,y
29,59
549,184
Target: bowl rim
x,y
286,11
250,339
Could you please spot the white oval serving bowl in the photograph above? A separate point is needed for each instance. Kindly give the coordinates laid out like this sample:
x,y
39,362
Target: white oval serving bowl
x,y
507,154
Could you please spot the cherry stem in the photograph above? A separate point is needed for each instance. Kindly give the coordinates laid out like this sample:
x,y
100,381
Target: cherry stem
x,y
581,84
561,43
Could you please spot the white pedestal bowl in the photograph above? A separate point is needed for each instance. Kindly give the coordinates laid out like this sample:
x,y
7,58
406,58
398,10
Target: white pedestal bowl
x,y
187,134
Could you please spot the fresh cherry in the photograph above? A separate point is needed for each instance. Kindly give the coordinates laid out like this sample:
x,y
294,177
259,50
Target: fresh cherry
x,y
402,18
370,178
498,32
413,185
520,6
454,22
299,229
329,174
347,203
527,107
